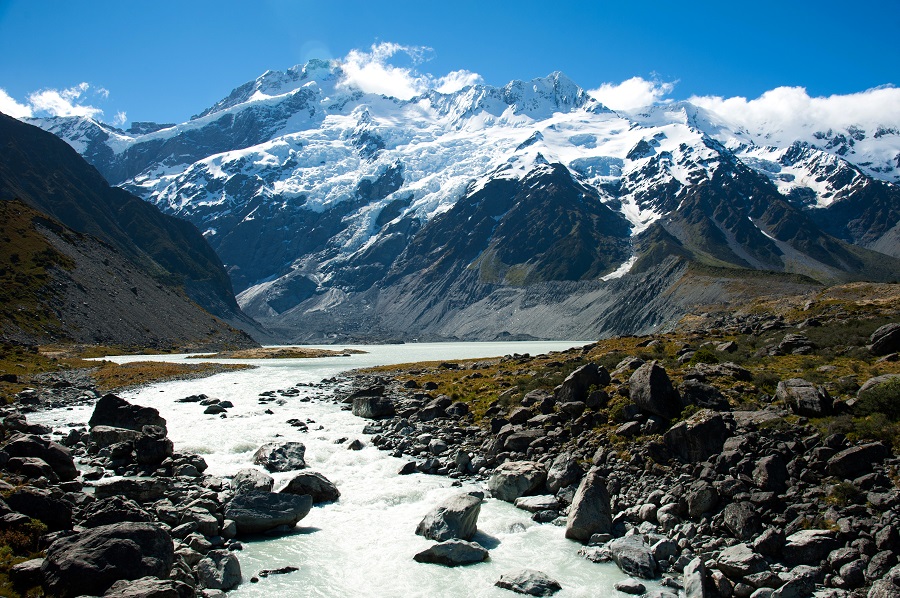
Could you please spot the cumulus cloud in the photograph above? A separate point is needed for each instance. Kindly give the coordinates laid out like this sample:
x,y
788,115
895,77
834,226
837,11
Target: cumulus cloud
x,y
11,107
72,101
794,113
633,93
373,72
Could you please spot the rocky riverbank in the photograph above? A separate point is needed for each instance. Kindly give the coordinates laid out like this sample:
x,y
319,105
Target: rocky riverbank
x,y
776,476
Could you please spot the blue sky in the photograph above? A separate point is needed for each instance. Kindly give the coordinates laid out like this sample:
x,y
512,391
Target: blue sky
x,y
166,60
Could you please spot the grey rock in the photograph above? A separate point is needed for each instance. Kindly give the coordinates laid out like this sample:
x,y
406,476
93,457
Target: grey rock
x,y
373,407
90,562
533,504
278,457
113,509
701,498
138,489
590,512
259,512
26,575
529,581
314,484
251,479
104,436
771,474
149,587
116,412
739,560
454,519
631,586
803,397
698,437
58,457
886,339
453,553
651,389
808,547
887,587
219,570
633,556
857,460
513,479
697,581
577,384
36,503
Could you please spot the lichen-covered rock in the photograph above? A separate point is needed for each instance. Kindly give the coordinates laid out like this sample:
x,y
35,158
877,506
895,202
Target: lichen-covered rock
x,y
590,512
698,437
454,519
803,397
516,478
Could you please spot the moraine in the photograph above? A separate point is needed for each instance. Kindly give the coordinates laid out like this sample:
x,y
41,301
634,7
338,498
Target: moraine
x,y
364,543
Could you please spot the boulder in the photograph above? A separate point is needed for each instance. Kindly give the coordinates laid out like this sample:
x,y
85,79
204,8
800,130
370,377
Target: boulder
x,y
874,382
739,560
886,339
152,449
149,587
694,392
770,474
113,509
116,412
104,436
90,562
518,442
856,461
577,384
808,547
219,570
651,389
373,407
533,504
697,581
139,489
40,504
251,479
453,553
58,457
32,468
701,498
697,438
529,581
563,472
26,575
888,586
633,556
277,457
314,484
803,397
590,512
454,519
516,478
743,519
259,512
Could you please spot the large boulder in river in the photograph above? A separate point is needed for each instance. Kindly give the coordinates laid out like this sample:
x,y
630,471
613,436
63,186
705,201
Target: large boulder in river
x,y
698,437
651,389
251,479
516,478
116,412
314,484
803,397
373,407
634,556
577,384
90,562
454,519
529,581
219,570
58,457
104,436
259,512
590,512
453,553
284,456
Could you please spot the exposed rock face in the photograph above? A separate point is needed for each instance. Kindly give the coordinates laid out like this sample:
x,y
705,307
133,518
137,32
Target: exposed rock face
x,y
529,581
590,511
804,398
516,478
886,339
698,437
90,562
808,547
285,456
314,484
453,553
259,512
855,461
652,391
454,519
116,412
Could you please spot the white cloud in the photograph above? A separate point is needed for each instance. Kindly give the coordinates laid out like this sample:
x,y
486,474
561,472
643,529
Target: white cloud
x,y
793,113
11,107
120,118
633,93
372,72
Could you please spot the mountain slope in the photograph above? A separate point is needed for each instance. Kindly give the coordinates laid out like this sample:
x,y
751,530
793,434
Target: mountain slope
x,y
340,212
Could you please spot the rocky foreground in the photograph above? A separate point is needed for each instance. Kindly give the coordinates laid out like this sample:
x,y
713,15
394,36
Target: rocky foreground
x,y
689,473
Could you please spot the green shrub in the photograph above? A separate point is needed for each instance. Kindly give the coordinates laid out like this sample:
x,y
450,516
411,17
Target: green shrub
x,y
703,355
844,494
766,381
884,398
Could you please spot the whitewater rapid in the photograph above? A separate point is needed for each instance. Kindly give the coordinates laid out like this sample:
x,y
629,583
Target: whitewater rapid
x,y
363,544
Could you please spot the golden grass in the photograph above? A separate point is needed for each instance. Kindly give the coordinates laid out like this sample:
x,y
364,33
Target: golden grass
x,y
110,376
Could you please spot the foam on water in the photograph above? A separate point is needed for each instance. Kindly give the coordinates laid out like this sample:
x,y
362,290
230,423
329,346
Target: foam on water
x,y
363,544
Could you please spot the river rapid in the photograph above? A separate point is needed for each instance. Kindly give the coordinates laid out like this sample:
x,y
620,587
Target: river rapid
x,y
363,544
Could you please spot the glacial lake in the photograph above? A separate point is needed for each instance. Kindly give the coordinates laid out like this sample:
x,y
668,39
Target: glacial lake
x,y
363,544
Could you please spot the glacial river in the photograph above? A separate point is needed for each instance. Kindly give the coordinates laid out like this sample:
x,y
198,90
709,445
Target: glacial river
x,y
363,544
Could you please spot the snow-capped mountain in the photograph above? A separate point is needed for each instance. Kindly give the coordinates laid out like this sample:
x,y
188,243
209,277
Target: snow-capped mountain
x,y
327,202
